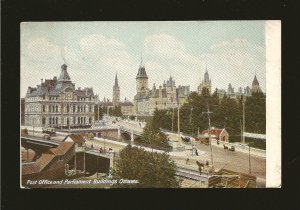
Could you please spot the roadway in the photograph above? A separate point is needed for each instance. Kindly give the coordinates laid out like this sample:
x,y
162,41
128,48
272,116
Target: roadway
x,y
236,161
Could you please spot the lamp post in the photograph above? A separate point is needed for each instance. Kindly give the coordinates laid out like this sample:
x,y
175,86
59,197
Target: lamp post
x,y
84,146
249,159
173,118
243,120
98,112
33,125
209,133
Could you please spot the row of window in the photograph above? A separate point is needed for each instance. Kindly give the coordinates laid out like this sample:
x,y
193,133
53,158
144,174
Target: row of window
x,y
54,108
54,120
78,99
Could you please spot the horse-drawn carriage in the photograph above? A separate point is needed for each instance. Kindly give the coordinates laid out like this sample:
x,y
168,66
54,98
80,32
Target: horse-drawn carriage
x,y
50,131
229,148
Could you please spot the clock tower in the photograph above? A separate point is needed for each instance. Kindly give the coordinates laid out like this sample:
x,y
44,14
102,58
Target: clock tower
x,y
142,79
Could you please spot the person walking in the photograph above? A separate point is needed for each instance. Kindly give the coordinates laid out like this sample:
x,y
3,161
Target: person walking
x,y
187,160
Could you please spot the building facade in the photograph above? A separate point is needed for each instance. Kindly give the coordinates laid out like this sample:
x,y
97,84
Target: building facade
x,y
255,86
164,97
116,92
206,83
56,103
247,91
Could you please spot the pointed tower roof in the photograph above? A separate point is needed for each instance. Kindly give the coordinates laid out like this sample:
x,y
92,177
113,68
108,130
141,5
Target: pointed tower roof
x,y
64,76
142,71
255,81
206,76
116,80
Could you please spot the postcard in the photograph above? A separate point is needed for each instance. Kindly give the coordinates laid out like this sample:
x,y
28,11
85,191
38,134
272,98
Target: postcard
x,y
159,104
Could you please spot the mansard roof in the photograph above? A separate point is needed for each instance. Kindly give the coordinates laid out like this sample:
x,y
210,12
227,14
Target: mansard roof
x,y
86,92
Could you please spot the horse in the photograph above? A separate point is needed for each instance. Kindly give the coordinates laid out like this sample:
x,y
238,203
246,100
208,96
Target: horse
x,y
225,147
200,166
185,138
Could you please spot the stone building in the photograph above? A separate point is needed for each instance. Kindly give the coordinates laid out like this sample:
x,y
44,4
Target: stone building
x,y
255,86
206,83
164,97
116,92
56,103
126,107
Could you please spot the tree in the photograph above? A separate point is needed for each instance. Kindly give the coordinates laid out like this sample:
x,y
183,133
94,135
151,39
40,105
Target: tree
x,y
150,169
255,113
153,137
115,111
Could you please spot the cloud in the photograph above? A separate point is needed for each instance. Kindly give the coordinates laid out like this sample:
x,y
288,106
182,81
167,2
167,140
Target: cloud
x,y
41,49
173,58
235,61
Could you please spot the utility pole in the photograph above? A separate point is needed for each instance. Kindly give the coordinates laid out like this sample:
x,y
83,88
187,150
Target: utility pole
x,y
241,131
173,119
209,135
249,160
33,125
243,120
191,120
84,158
98,112
61,114
69,120
178,121
75,160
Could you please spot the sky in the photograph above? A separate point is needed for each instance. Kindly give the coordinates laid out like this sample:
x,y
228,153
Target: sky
x,y
232,51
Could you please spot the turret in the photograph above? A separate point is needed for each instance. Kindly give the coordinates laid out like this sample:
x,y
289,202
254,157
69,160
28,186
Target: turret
x,y
141,79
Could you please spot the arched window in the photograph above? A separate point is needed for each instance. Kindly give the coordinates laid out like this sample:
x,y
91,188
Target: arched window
x,y
90,120
56,107
43,121
50,120
67,121
56,119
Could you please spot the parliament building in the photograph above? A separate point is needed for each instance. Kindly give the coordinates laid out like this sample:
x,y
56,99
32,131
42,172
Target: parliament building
x,y
164,97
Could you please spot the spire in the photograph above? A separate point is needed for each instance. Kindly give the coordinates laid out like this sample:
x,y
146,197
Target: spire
x,y
206,76
142,64
255,81
64,76
116,80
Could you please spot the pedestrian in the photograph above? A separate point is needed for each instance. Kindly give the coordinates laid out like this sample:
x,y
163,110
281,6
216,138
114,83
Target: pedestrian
x,y
187,160
196,151
92,146
207,162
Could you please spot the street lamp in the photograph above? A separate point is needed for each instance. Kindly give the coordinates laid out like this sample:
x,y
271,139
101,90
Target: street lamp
x,y
84,147
249,157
